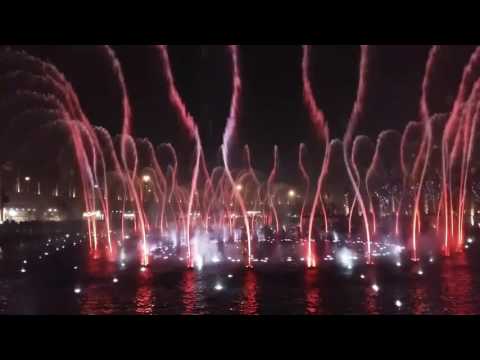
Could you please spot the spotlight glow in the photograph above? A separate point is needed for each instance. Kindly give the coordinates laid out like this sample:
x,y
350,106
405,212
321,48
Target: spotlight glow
x,y
218,287
346,258
398,249
199,263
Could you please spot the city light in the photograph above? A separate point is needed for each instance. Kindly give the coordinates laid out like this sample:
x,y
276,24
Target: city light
x,y
129,215
12,213
27,178
88,214
375,288
291,193
398,304
146,178
239,187
77,290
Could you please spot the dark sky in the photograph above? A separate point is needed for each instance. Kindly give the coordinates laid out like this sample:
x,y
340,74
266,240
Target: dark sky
x,y
272,108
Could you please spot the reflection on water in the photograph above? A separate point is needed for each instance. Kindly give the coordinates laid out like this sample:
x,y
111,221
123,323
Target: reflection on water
x,y
420,303
371,296
4,292
456,288
373,288
189,297
249,305
312,292
99,267
448,286
96,300
144,300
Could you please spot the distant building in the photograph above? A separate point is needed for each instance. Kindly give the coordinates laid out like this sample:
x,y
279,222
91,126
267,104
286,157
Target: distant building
x,y
22,211
27,202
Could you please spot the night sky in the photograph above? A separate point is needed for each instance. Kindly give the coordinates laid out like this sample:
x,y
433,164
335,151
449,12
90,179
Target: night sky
x,y
272,107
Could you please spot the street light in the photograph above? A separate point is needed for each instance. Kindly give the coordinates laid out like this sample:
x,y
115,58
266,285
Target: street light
x,y
239,187
146,178
291,193
27,178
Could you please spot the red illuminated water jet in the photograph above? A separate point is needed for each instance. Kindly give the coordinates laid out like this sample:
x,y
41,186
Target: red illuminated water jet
x,y
227,136
318,119
352,125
